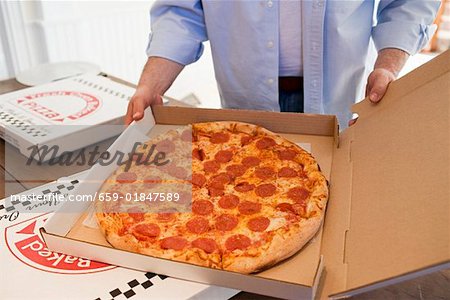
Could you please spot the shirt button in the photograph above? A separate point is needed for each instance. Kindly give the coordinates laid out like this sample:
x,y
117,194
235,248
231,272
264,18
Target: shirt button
x,y
270,44
269,4
314,83
270,81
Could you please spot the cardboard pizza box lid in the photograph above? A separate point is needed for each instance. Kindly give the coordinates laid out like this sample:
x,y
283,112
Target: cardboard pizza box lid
x,y
393,165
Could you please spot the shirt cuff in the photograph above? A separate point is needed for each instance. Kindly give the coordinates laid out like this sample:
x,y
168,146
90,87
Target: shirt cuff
x,y
406,36
181,49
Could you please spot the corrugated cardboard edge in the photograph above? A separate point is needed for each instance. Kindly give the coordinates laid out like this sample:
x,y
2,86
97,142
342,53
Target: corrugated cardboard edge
x,y
138,261
384,283
321,125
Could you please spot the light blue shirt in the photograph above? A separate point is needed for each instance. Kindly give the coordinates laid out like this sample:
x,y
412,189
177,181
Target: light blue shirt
x,y
244,36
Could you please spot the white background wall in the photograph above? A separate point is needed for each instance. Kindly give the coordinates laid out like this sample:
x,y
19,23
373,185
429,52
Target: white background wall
x,y
111,34
3,69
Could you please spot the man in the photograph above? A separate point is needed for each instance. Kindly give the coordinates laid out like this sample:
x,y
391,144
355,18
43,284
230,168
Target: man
x,y
303,56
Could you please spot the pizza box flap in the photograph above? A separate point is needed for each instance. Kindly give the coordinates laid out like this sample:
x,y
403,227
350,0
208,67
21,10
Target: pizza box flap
x,y
394,164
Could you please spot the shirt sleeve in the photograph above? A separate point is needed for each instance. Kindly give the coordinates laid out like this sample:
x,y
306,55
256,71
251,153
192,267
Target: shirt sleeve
x,y
177,30
405,24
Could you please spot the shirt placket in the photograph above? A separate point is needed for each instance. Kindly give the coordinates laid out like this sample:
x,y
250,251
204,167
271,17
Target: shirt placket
x,y
271,45
313,25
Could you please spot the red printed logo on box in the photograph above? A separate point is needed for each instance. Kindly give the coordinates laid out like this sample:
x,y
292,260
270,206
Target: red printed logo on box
x,y
60,106
25,243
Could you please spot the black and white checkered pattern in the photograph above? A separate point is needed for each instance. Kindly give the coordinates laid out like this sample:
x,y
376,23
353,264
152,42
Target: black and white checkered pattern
x,y
130,291
9,206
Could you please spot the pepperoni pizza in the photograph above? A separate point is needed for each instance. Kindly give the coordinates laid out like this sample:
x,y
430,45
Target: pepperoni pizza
x,y
256,200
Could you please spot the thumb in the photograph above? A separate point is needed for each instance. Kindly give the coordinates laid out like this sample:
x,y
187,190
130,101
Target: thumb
x,y
379,86
138,109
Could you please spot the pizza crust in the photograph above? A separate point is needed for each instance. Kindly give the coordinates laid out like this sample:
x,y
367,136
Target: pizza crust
x,y
285,242
281,247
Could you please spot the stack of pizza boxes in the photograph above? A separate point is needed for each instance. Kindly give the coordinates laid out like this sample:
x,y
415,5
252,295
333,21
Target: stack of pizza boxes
x,y
384,221
45,121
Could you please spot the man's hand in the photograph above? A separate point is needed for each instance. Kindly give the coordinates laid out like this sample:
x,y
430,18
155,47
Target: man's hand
x,y
389,63
142,98
156,78
377,84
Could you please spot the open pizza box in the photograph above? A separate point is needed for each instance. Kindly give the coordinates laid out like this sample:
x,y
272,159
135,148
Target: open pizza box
x,y
388,215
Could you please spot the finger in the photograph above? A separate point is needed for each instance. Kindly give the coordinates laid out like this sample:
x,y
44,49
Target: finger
x,y
380,84
129,115
158,100
368,87
138,109
352,122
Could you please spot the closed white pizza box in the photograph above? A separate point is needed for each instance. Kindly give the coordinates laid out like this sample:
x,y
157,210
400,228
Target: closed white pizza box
x,y
69,114
387,217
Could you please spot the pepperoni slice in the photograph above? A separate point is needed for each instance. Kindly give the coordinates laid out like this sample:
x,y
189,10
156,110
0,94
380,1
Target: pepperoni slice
x,y
178,172
113,205
165,146
238,242
139,158
258,224
152,181
249,208
287,154
215,192
219,137
186,135
211,166
299,208
145,232
198,225
206,244
123,230
174,242
236,170
219,180
265,190
126,177
286,207
229,201
223,156
198,179
165,217
298,194
264,173
184,197
202,207
245,140
265,143
244,187
226,222
302,174
136,213
198,154
287,172
251,161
